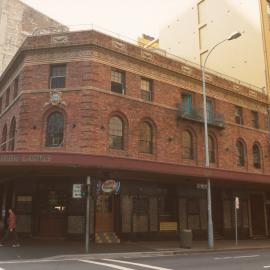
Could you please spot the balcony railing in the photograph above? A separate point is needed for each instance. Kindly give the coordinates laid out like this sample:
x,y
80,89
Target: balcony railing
x,y
196,114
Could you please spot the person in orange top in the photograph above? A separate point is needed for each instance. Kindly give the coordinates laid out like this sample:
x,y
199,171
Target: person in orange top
x,y
11,229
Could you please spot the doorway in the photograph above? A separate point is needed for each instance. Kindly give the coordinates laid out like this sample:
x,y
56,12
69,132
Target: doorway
x,y
257,214
52,221
105,210
217,213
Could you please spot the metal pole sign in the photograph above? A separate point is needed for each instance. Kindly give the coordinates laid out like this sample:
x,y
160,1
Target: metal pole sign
x,y
77,191
236,207
87,215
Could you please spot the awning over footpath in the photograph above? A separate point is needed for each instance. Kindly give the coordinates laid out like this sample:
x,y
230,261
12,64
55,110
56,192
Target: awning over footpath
x,y
16,164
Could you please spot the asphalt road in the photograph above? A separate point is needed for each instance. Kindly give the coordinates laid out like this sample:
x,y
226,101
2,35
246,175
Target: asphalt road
x,y
252,259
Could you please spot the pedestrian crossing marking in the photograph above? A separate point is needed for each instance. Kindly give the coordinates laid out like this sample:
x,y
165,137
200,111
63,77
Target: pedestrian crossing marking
x,y
106,264
137,264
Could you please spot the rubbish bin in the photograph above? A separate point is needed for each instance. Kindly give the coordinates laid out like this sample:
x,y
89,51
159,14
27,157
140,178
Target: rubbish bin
x,y
186,239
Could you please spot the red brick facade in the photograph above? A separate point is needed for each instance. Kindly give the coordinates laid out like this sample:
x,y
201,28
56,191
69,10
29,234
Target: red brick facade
x,y
89,103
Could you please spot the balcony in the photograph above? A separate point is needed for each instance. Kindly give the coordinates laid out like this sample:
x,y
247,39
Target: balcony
x,y
214,119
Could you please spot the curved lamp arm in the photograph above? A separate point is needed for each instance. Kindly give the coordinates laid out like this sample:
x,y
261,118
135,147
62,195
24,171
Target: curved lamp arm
x,y
212,50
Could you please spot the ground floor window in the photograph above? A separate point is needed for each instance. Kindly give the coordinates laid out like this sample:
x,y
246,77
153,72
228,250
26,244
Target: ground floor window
x,y
167,208
140,206
193,213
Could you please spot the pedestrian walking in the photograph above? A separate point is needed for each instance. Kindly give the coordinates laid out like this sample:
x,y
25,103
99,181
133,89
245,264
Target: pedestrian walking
x,y
11,229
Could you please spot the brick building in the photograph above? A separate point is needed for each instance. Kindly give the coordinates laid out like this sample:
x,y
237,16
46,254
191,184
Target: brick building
x,y
84,104
18,20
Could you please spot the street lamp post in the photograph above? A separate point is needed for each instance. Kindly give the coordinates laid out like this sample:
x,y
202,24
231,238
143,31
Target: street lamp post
x,y
206,149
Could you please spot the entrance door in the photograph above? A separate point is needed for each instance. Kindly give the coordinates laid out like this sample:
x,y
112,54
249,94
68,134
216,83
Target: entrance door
x,y
217,214
53,213
105,213
257,214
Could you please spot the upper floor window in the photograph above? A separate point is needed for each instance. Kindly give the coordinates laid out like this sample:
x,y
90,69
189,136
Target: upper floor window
x,y
256,156
7,97
12,134
211,148
239,115
186,102
116,133
146,89
240,154
188,146
16,87
55,129
209,110
117,81
4,139
255,119
146,138
57,76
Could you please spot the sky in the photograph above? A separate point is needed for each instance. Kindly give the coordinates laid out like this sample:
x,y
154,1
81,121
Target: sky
x,y
129,18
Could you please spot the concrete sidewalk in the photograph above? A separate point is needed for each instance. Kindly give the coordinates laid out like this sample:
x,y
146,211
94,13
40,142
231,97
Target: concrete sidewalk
x,y
38,249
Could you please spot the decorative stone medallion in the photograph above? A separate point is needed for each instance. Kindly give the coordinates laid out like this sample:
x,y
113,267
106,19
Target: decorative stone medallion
x,y
55,98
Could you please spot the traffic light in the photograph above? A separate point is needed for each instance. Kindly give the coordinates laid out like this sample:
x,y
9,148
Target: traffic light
x,y
84,191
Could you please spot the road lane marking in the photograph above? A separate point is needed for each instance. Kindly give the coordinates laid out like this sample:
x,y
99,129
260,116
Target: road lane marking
x,y
107,264
266,266
35,261
2,268
237,257
137,264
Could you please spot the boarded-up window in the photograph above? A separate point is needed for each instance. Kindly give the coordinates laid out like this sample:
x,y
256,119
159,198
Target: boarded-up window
x,y
146,138
187,145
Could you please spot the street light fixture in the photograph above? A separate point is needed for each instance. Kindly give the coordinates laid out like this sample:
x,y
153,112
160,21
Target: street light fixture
x,y
206,149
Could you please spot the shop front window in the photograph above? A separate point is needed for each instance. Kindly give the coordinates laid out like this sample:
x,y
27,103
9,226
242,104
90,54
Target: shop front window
x,y
140,206
168,206
53,202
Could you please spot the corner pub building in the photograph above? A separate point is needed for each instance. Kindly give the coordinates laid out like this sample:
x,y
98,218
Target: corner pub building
x,y
81,104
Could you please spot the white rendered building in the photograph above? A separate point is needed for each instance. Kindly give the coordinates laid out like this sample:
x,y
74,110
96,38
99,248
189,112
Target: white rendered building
x,y
204,23
17,20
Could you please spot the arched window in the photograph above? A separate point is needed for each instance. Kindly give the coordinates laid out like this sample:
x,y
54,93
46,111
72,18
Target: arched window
x,y
55,129
256,156
240,154
4,139
146,138
211,148
116,133
188,147
12,133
